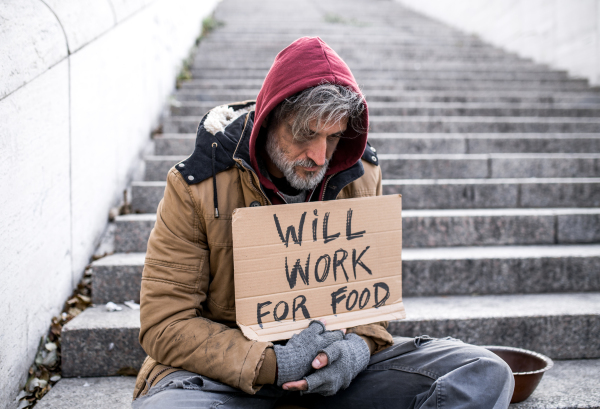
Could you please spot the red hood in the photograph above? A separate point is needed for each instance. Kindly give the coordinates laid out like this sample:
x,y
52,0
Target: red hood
x,y
305,63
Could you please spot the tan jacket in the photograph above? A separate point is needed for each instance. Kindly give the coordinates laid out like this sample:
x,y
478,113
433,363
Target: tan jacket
x,y
187,296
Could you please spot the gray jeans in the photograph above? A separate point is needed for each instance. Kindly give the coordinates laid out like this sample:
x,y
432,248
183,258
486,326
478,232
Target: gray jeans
x,y
415,373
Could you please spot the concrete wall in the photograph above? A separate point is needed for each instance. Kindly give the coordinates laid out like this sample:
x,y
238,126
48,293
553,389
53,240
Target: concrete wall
x,y
82,83
562,33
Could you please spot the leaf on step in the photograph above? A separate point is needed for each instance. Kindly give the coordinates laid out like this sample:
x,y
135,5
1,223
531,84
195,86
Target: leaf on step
x,y
51,359
56,328
45,375
74,312
21,395
32,384
24,404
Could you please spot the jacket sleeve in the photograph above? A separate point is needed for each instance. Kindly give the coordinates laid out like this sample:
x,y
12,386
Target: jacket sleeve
x,y
174,286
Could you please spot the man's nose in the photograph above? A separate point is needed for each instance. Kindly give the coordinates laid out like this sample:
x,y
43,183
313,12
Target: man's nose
x,y
318,151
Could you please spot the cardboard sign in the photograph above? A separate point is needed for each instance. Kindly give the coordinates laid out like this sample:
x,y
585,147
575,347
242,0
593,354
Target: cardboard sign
x,y
339,260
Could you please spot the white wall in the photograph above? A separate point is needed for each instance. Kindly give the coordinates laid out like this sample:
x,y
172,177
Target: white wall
x,y
82,83
562,33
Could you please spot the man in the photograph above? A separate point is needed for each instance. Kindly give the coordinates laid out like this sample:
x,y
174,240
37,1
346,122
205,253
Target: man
x,y
304,140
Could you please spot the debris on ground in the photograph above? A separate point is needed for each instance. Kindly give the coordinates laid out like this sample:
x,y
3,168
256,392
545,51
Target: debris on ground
x,y
124,208
132,304
112,307
46,368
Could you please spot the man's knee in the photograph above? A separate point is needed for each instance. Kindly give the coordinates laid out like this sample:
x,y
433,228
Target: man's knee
x,y
490,373
497,370
483,364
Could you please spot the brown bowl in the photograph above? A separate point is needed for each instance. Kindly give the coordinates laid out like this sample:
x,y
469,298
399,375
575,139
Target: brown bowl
x,y
528,368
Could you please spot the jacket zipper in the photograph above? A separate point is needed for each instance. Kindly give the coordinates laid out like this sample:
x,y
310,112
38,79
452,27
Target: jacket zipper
x,y
151,381
260,192
282,198
326,183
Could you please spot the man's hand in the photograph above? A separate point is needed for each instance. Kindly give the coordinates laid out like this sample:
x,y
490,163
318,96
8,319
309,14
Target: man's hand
x,y
319,362
295,358
335,366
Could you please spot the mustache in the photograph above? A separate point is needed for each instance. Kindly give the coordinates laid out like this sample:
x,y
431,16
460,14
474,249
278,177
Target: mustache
x,y
307,163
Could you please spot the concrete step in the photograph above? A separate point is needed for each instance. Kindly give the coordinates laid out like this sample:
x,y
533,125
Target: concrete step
x,y
367,32
198,109
407,143
90,393
453,166
444,143
494,165
449,271
441,143
418,52
570,384
493,227
157,167
482,193
176,144
321,28
228,40
145,195
408,85
100,343
427,272
399,51
124,268
443,228
414,74
117,278
442,124
267,39
539,322
373,57
449,193
473,110
467,124
514,97
367,43
359,43
132,232
513,67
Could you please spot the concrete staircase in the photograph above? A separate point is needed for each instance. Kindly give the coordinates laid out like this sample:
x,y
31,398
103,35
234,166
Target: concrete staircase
x,y
497,159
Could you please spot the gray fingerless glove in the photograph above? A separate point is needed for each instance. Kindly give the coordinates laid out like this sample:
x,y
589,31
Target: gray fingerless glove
x,y
294,359
346,359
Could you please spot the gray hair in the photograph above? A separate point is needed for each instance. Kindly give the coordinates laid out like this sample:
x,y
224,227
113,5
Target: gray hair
x,y
326,103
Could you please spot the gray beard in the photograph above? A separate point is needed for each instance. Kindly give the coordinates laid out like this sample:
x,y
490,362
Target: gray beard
x,y
288,168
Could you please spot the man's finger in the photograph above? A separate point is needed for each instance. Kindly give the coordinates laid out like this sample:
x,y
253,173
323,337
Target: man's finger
x,y
320,361
301,385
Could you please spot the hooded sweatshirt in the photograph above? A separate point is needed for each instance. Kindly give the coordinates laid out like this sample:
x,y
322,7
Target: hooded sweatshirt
x,y
305,63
